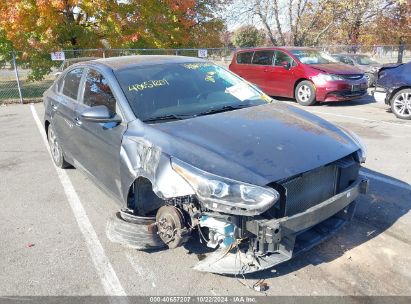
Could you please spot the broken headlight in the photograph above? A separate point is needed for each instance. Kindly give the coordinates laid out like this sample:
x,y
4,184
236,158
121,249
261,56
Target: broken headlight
x,y
226,195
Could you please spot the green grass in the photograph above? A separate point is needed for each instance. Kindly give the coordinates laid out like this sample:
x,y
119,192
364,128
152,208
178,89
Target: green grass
x,y
9,90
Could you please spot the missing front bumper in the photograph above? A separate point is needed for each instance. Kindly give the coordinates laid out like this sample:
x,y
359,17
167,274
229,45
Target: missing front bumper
x,y
281,239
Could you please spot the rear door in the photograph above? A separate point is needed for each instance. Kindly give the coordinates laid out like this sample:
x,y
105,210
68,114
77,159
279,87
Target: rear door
x,y
242,66
62,106
262,64
98,144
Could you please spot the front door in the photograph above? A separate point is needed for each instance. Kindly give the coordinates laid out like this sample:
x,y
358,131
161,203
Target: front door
x,y
281,78
98,144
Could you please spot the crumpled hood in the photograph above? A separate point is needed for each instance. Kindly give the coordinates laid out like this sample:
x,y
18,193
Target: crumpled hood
x,y
336,68
257,145
395,76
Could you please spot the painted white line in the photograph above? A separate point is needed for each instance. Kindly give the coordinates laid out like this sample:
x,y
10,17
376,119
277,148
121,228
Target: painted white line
x,y
143,273
364,119
387,180
108,277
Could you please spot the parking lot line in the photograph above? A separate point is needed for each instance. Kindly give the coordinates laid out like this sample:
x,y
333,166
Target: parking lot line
x,y
108,277
386,180
364,119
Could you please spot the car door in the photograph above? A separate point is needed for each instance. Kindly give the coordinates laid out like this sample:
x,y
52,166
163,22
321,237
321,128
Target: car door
x,y
62,106
98,144
243,67
262,63
282,79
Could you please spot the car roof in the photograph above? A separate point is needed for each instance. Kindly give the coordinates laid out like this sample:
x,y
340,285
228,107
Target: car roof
x,y
118,63
286,48
349,55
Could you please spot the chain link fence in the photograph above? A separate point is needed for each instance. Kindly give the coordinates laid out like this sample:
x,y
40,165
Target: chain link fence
x,y
18,81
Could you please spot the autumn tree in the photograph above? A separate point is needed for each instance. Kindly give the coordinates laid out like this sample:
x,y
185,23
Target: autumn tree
x,y
391,26
37,27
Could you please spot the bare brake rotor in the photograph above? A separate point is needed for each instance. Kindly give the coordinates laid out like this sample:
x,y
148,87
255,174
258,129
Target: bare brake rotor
x,y
172,226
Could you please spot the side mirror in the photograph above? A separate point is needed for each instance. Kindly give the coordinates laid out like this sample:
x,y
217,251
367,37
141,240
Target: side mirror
x,y
57,74
286,65
100,114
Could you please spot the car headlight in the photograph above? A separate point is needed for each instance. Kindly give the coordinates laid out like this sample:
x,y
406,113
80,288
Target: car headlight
x,y
362,152
323,78
224,194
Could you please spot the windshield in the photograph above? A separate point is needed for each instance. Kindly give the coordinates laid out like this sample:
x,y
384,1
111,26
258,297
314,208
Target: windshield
x,y
364,60
183,90
313,57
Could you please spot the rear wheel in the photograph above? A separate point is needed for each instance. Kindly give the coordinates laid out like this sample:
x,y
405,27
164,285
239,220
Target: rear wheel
x,y
55,149
401,104
305,93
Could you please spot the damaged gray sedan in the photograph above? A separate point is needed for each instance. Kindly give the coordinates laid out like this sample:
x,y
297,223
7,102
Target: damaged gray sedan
x,y
194,153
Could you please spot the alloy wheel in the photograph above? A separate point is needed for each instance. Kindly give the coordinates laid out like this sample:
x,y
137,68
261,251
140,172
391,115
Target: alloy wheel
x,y
304,93
54,146
402,104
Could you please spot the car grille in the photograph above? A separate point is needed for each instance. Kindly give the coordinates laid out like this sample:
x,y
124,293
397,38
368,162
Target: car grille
x,y
310,188
352,76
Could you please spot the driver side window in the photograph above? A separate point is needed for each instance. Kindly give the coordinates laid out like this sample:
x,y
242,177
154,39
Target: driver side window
x,y
97,92
281,57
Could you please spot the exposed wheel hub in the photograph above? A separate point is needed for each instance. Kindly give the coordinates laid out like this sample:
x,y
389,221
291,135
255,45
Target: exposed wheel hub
x,y
172,226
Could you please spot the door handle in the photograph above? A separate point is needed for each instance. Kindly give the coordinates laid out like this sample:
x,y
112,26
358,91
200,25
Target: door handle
x,y
77,121
53,107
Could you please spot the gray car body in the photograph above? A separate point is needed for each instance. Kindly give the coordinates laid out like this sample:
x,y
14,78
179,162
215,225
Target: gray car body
x,y
257,145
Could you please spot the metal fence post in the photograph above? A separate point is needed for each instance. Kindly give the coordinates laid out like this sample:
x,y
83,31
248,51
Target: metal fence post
x,y
400,51
17,76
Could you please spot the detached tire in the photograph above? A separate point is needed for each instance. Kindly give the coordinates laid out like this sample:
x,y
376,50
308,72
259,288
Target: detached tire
x,y
56,151
401,104
305,93
134,231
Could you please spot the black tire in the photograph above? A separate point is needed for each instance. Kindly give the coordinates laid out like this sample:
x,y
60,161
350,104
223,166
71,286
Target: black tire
x,y
401,104
133,231
56,151
305,93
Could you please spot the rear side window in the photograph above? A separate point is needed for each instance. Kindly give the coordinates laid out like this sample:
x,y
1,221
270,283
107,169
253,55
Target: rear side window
x,y
346,60
244,58
281,57
263,57
72,83
97,91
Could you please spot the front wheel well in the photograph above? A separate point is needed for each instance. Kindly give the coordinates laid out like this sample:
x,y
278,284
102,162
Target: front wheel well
x,y
141,197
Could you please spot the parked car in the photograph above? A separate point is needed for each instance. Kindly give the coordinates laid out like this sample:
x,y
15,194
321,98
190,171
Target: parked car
x,y
186,147
364,62
305,74
393,86
70,61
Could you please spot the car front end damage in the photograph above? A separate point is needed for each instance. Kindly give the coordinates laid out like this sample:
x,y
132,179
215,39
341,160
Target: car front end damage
x,y
256,229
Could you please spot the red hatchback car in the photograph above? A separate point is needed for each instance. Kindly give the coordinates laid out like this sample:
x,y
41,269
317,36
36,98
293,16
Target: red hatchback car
x,y
308,75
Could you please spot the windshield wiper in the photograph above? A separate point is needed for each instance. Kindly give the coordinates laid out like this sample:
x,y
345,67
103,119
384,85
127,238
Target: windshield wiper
x,y
223,109
166,117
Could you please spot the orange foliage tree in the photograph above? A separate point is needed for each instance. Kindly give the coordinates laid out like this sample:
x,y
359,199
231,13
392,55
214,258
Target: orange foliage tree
x,y
37,27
